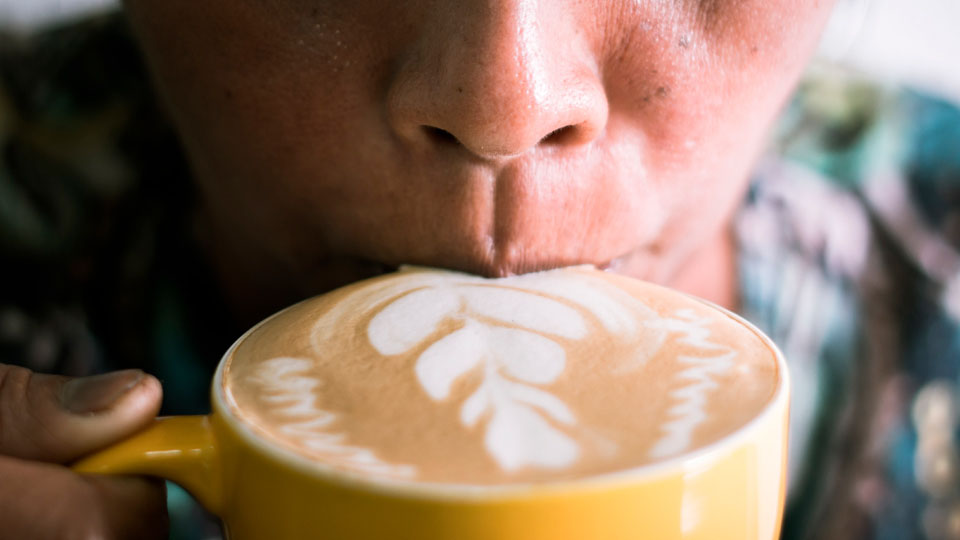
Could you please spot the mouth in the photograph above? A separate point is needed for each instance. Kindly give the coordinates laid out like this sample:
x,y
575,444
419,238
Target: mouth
x,y
348,270
621,263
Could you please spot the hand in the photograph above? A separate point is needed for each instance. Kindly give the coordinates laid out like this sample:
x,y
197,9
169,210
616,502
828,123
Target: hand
x,y
48,421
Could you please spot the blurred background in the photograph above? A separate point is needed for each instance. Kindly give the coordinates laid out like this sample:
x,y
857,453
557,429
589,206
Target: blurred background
x,y
915,42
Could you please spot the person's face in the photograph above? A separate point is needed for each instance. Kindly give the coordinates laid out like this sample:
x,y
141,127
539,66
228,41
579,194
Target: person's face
x,y
492,136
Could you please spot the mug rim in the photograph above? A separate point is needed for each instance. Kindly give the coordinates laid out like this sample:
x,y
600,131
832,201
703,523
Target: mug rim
x,y
693,460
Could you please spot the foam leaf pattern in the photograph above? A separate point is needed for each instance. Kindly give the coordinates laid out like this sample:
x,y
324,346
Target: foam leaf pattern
x,y
612,307
287,384
525,309
689,410
408,320
517,436
511,330
545,401
447,359
524,355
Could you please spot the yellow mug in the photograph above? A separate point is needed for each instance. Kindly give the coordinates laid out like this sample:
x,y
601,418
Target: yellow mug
x,y
732,489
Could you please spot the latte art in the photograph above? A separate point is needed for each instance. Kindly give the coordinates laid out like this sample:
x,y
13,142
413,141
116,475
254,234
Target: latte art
x,y
437,376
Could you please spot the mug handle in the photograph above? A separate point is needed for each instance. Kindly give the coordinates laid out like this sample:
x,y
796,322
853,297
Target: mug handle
x,y
178,448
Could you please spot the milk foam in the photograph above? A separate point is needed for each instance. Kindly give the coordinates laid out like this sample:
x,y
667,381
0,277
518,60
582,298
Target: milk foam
x,y
444,377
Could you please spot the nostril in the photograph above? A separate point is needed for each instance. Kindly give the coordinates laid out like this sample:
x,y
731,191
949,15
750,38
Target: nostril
x,y
565,136
559,136
441,135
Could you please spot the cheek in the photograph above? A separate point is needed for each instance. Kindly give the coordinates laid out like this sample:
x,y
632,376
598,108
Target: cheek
x,y
703,85
237,74
700,89
262,92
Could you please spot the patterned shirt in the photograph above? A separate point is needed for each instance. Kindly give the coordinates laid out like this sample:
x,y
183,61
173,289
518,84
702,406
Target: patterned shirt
x,y
848,259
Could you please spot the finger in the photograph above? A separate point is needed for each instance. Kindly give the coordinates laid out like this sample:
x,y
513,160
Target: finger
x,y
57,419
41,501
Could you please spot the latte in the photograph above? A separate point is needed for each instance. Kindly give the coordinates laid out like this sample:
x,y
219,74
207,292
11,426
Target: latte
x,y
435,376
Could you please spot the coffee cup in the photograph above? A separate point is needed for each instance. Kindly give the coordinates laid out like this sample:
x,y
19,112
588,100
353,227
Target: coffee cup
x,y
429,404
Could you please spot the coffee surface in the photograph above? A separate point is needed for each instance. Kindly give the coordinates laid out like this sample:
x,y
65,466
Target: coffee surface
x,y
436,376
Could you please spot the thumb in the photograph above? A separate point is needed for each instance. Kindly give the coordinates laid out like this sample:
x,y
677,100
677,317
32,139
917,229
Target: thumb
x,y
58,419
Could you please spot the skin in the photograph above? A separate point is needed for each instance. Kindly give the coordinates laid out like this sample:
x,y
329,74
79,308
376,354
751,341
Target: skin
x,y
496,136
332,140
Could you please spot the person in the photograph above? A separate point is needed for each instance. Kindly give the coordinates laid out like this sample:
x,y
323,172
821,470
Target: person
x,y
311,144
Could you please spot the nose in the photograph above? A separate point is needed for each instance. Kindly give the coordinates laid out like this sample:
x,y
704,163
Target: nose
x,y
499,78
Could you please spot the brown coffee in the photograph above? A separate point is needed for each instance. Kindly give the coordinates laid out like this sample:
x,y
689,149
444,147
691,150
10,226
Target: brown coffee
x,y
436,376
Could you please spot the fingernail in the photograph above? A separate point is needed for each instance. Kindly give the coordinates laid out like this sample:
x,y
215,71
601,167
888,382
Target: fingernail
x,y
99,392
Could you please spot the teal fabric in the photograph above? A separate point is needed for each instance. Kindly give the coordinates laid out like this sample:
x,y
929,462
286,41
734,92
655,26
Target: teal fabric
x,y
849,260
